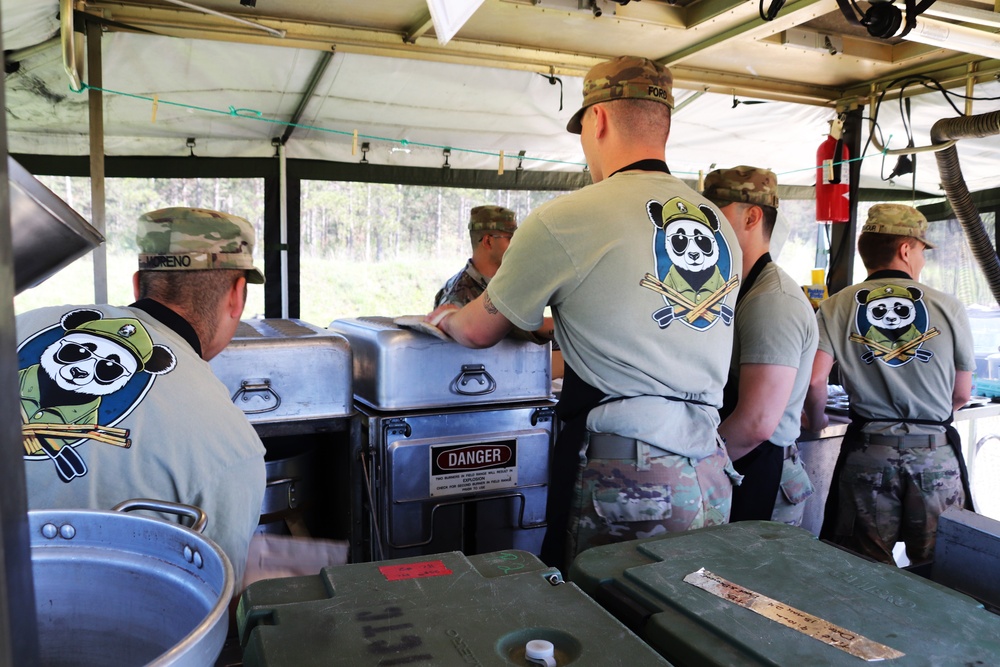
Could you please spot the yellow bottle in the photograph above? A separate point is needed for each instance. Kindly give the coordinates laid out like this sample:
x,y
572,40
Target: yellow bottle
x,y
817,291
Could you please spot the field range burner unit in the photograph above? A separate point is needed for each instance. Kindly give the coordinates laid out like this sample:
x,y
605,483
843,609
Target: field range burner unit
x,y
450,447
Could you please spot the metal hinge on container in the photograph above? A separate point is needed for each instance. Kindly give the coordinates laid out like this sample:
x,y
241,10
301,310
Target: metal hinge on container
x,y
542,415
396,426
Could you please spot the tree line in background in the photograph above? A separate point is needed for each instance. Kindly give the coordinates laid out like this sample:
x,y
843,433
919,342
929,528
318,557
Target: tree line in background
x,y
363,222
374,223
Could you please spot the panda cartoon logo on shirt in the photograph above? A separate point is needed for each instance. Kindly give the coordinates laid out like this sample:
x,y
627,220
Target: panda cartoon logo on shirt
x,y
895,325
79,378
693,264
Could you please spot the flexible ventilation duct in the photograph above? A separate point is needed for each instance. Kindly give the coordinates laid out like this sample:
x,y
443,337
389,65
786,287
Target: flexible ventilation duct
x,y
966,127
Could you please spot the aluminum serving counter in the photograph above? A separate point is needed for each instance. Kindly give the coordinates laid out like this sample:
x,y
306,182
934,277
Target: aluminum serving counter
x,y
450,446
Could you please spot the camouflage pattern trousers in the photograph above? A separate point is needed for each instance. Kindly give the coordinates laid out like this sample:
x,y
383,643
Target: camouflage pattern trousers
x,y
617,500
895,494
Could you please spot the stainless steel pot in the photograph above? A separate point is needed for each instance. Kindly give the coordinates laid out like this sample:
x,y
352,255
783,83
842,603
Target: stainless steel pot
x,y
113,588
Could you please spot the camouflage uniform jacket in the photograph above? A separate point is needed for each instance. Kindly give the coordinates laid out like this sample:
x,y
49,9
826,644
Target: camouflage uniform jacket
x,y
462,287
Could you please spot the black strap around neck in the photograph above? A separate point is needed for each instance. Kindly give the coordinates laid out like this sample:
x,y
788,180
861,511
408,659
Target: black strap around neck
x,y
171,319
755,272
649,164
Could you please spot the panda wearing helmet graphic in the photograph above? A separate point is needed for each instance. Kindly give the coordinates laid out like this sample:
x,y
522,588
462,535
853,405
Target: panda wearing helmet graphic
x,y
692,260
895,322
61,394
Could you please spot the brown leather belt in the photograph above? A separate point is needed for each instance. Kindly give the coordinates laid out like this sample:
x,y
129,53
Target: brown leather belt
x,y
907,441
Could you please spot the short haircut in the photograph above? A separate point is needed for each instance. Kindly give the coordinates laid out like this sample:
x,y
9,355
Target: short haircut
x,y
199,292
878,250
770,216
645,121
476,236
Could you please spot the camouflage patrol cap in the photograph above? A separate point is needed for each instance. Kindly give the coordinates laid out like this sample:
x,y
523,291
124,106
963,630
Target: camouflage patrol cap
x,y
187,239
124,331
492,218
752,185
897,219
624,77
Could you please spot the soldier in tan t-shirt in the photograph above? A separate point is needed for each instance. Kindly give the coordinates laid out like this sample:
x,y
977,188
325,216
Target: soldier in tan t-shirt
x,y
906,360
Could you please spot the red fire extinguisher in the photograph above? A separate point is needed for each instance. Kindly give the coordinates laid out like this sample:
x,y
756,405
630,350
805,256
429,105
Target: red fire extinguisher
x,y
833,202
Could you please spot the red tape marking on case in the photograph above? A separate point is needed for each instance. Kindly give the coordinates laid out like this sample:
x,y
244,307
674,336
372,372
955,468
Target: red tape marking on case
x,y
428,568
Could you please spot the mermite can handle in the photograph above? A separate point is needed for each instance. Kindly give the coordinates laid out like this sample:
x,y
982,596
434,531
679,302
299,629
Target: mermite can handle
x,y
483,382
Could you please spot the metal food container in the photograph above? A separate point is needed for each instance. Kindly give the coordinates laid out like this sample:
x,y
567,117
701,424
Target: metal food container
x,y
287,372
473,479
397,369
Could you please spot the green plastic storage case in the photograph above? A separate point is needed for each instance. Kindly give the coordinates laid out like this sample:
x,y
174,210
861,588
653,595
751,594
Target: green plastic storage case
x,y
642,583
441,610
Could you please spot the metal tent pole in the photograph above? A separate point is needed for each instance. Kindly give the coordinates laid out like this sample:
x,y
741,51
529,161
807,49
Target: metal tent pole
x,y
18,625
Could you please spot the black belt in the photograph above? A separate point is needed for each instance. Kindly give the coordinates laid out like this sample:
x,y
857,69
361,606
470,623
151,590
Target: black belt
x,y
906,441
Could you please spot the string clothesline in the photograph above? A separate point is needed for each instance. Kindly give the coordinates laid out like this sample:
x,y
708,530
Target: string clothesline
x,y
253,114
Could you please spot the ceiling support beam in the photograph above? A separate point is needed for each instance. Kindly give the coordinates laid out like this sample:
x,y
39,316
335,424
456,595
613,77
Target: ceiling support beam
x,y
179,23
419,28
947,72
753,86
795,13
717,19
318,72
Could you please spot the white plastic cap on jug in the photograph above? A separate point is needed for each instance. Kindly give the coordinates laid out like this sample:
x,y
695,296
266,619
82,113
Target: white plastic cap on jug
x,y
540,652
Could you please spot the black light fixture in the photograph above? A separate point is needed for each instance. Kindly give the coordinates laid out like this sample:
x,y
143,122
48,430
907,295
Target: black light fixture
x,y
190,144
882,18
447,154
248,3
365,147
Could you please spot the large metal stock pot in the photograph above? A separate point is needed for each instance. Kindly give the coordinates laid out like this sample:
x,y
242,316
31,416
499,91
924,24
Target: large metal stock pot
x,y
113,588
